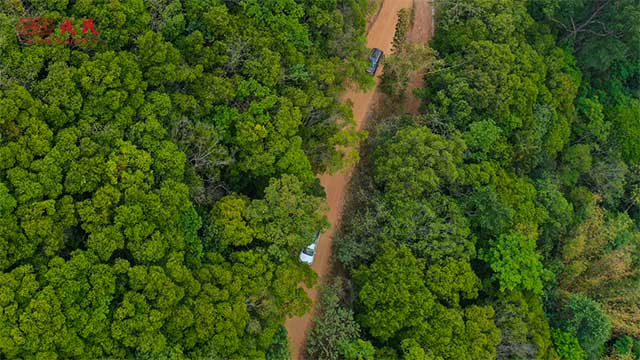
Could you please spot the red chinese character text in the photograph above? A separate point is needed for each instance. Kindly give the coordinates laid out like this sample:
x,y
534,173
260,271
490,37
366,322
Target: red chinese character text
x,y
67,26
89,25
34,26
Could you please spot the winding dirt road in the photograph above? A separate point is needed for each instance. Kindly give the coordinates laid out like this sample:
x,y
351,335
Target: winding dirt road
x,y
380,35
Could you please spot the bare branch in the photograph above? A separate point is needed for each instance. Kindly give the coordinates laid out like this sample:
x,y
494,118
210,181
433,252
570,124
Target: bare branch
x,y
582,27
560,23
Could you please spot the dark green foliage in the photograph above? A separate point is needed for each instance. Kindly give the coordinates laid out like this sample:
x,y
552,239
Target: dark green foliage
x,y
604,36
335,332
279,349
393,296
545,93
417,162
530,156
155,186
626,130
586,319
394,304
623,345
409,254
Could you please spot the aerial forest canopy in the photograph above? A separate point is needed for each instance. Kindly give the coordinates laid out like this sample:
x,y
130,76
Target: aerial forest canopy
x,y
502,222
157,184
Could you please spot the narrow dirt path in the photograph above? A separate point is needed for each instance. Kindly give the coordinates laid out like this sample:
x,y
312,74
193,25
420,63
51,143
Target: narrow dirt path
x,y
380,35
420,33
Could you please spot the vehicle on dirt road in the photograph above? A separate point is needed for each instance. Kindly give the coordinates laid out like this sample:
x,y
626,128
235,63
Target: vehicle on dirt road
x,y
307,254
375,58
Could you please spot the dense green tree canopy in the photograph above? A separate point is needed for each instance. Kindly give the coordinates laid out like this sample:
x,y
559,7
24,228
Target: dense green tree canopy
x,y
526,153
156,186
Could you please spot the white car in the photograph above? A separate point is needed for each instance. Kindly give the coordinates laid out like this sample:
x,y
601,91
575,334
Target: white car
x,y
308,253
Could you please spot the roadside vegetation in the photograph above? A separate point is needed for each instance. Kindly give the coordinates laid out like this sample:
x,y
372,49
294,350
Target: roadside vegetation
x,y
157,187
502,222
373,9
407,59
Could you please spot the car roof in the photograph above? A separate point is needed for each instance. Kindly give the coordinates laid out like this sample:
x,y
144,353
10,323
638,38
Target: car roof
x,y
375,54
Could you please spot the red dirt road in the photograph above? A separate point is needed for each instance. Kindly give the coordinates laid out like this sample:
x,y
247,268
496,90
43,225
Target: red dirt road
x,y
380,35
